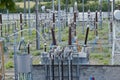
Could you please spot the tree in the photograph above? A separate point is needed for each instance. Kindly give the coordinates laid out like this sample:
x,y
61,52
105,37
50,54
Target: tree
x,y
7,4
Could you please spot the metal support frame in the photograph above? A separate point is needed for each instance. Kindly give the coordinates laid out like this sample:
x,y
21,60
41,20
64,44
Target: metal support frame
x,y
66,12
52,62
83,23
15,55
110,23
53,8
29,18
100,11
25,12
59,21
116,43
37,28
116,39
59,66
8,25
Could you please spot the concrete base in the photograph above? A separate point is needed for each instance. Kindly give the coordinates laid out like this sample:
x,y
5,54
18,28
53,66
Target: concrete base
x,y
80,72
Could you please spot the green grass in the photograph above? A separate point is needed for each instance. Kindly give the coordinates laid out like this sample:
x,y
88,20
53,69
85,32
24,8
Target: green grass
x,y
9,65
36,62
36,53
101,58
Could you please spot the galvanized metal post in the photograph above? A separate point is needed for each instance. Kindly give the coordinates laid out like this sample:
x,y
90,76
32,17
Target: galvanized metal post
x,y
8,15
71,67
53,5
75,16
66,12
59,67
37,28
100,10
59,22
15,56
62,69
108,10
25,12
5,30
53,77
83,23
29,18
78,67
46,69
109,20
112,8
50,67
8,21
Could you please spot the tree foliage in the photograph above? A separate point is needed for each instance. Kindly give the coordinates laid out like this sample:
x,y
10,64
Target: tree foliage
x,y
7,4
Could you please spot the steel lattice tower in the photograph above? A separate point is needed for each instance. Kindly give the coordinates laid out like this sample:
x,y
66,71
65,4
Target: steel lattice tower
x,y
116,38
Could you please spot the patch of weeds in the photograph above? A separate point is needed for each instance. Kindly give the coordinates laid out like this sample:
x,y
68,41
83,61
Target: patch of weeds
x,y
9,65
36,53
11,55
105,62
36,62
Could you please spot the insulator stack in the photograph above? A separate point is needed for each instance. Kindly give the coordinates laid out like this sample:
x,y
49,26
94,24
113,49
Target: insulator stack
x,y
21,24
96,21
1,24
75,23
86,37
70,36
53,36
